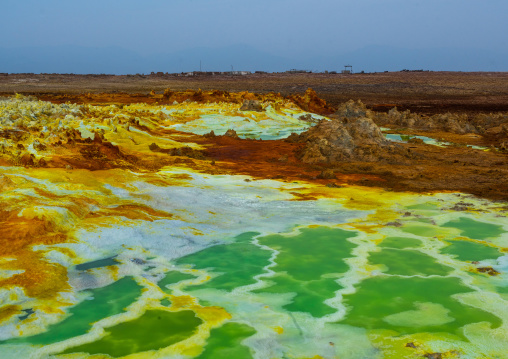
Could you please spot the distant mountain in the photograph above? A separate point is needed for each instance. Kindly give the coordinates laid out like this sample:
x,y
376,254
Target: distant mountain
x,y
116,60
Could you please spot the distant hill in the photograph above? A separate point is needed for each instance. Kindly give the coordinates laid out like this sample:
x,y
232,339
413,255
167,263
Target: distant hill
x,y
116,60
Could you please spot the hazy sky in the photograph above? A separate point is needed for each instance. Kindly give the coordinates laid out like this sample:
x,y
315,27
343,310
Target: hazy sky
x,y
283,27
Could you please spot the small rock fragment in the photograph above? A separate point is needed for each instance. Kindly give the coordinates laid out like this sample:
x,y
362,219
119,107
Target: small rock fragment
x,y
251,105
231,133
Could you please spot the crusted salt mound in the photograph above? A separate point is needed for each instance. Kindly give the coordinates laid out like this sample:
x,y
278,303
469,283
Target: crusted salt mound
x,y
352,109
493,124
346,139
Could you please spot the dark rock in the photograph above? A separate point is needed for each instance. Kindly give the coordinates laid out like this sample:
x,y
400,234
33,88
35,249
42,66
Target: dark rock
x,y
231,133
210,134
416,140
308,118
39,146
292,138
394,224
251,105
27,159
154,147
433,356
461,206
42,163
179,151
488,270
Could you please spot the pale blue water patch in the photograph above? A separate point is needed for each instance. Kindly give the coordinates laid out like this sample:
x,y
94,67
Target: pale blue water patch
x,y
168,111
427,140
405,138
219,206
218,123
270,126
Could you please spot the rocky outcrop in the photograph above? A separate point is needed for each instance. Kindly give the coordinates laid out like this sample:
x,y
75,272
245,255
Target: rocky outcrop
x,y
308,118
352,109
311,102
340,140
185,151
499,136
231,133
210,134
484,124
251,105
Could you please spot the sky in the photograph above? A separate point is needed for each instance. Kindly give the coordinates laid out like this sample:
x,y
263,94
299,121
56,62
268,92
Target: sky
x,y
288,28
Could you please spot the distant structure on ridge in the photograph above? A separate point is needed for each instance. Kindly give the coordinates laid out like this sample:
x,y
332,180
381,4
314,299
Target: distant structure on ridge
x,y
348,69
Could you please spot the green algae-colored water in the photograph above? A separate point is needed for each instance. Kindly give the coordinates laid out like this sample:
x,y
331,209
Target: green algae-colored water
x,y
195,265
234,265
309,296
102,303
302,271
475,229
173,277
414,294
226,342
301,263
155,329
312,253
336,287
401,242
471,251
408,262
413,305
421,230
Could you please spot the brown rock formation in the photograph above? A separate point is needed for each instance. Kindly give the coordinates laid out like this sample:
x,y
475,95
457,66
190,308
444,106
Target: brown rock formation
x,y
488,125
231,133
312,103
352,109
251,105
179,151
340,140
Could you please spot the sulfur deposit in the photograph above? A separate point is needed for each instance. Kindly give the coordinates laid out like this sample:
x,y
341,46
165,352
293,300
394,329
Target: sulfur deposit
x,y
198,227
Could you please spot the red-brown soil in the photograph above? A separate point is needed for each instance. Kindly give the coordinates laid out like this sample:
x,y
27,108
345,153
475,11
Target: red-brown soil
x,y
423,92
428,168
